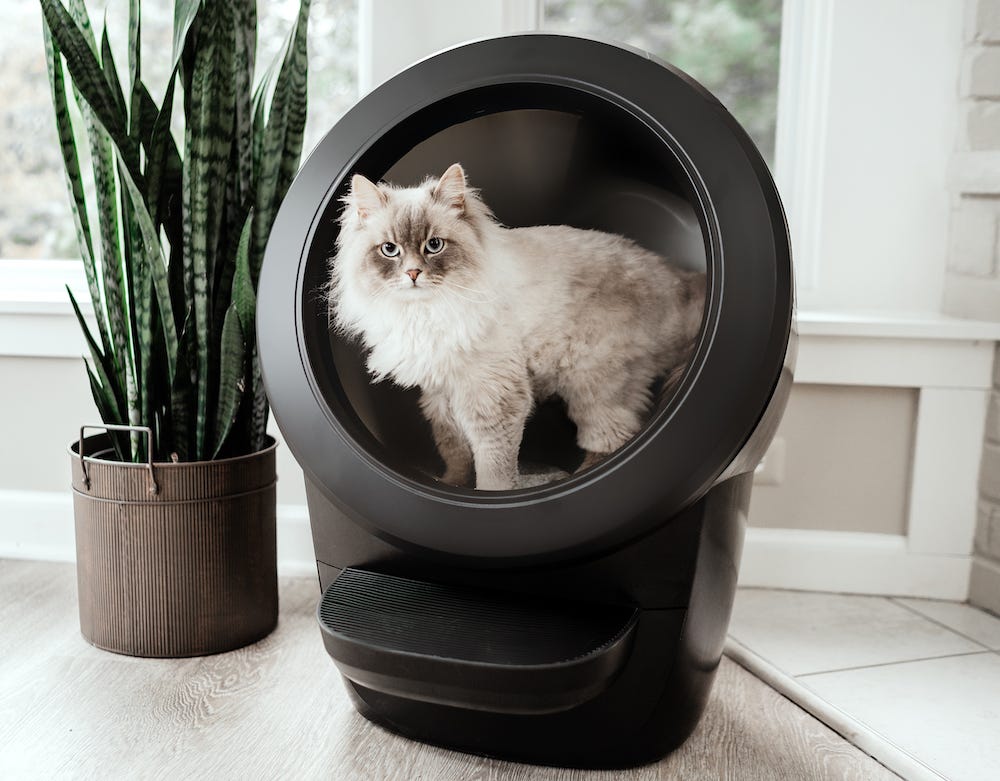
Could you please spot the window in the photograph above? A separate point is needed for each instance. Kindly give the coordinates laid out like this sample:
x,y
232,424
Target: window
x,y
730,46
35,219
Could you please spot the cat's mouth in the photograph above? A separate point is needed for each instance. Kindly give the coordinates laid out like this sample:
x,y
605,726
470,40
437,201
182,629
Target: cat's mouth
x,y
415,288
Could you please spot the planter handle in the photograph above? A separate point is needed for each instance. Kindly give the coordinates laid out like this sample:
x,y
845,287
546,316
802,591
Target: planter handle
x,y
153,487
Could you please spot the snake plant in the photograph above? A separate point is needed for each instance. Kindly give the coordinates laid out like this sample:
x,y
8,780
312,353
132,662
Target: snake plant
x,y
172,238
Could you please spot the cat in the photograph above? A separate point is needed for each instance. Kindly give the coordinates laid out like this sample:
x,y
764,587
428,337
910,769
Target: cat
x,y
488,320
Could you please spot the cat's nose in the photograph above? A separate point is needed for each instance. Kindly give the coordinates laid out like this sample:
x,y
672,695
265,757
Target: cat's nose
x,y
413,273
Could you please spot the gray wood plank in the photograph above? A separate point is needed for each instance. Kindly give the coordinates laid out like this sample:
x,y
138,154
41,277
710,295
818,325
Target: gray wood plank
x,y
277,709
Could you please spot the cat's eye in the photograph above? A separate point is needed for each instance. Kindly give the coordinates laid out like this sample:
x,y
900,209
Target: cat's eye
x,y
390,250
434,245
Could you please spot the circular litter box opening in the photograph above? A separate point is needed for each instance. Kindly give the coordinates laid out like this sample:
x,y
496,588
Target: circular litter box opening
x,y
540,154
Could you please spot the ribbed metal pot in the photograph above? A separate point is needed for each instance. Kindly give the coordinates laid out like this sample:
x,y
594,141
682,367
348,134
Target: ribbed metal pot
x,y
174,559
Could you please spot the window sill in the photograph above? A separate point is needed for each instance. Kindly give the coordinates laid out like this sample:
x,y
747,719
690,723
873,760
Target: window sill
x,y
888,347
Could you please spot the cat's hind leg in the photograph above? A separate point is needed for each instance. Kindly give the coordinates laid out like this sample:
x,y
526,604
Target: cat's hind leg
x,y
606,414
451,442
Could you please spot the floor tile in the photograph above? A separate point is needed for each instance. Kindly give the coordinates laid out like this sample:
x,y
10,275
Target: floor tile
x,y
803,632
975,624
944,711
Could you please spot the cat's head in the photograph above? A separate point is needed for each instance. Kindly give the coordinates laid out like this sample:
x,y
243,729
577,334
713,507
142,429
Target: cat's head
x,y
409,242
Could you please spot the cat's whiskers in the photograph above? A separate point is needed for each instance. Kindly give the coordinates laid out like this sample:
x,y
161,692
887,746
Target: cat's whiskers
x,y
451,306
453,283
450,288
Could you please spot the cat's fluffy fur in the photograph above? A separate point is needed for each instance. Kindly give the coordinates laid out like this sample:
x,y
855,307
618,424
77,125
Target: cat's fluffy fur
x,y
501,318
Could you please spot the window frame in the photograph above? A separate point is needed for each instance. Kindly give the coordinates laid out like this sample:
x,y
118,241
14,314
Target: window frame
x,y
809,41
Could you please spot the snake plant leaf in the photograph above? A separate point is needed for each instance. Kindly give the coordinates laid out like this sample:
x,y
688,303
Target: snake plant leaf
x,y
139,277
102,159
88,79
244,298
102,363
153,256
74,178
182,391
108,415
164,167
185,12
259,413
245,37
136,88
142,120
227,268
111,71
281,145
295,110
264,89
245,301
202,134
222,167
113,334
232,377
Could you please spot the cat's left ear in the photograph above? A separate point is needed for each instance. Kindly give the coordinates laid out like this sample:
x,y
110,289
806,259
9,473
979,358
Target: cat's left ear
x,y
451,187
365,196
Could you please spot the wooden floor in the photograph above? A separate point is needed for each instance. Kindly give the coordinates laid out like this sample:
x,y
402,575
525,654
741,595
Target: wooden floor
x,y
277,710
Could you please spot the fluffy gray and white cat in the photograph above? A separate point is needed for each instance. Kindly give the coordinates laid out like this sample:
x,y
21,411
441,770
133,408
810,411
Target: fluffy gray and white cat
x,y
487,320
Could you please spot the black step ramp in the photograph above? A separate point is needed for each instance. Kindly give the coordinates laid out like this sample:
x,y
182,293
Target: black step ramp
x,y
471,648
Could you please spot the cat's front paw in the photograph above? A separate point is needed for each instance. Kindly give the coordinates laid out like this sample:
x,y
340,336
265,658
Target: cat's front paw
x,y
496,483
460,478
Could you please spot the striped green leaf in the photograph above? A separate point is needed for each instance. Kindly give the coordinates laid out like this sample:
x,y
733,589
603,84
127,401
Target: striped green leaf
x,y
259,413
232,377
74,178
141,322
109,69
297,85
185,12
183,392
106,194
202,133
88,79
107,412
153,257
244,298
164,167
245,39
136,89
281,145
102,363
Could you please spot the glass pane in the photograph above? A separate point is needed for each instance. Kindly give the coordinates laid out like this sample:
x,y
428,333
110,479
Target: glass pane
x,y
35,218
730,46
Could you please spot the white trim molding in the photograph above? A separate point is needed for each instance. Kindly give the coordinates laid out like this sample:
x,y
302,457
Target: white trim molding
x,y
800,136
949,362
850,563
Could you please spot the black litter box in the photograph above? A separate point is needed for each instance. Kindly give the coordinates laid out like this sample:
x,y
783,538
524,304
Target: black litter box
x,y
581,622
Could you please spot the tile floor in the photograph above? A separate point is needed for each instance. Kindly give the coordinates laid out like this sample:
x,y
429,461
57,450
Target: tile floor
x,y
914,682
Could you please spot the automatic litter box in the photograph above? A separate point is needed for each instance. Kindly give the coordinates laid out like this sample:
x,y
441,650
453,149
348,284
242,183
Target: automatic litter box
x,y
579,622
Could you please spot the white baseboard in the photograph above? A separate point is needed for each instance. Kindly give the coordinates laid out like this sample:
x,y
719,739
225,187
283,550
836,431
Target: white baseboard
x,y
39,525
850,563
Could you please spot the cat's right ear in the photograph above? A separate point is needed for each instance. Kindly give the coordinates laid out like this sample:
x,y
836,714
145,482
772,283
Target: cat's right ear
x,y
365,196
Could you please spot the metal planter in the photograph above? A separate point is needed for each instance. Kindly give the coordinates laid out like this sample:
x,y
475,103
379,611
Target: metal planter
x,y
174,559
